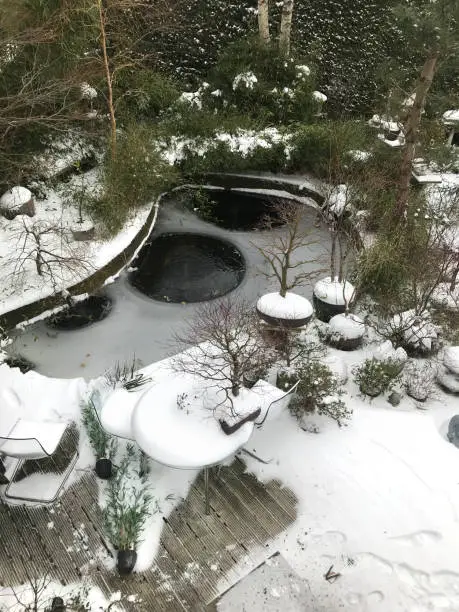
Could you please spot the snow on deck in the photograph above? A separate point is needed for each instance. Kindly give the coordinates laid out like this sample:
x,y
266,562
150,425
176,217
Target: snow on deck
x,y
197,555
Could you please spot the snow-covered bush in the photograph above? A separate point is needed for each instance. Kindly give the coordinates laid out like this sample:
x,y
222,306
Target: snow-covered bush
x,y
419,379
135,176
374,376
142,94
254,79
318,391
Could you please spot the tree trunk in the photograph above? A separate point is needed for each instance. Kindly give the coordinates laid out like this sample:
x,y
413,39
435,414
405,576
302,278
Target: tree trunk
x,y
108,78
285,27
333,255
263,21
411,130
284,276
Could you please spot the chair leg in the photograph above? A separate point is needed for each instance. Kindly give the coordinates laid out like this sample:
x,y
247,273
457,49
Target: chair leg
x,y
66,476
206,489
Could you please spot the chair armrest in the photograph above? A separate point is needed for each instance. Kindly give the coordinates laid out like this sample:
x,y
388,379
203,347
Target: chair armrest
x,y
230,429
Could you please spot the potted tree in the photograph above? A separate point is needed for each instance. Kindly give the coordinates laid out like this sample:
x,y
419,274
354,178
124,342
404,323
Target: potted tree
x,y
334,294
126,510
285,264
103,444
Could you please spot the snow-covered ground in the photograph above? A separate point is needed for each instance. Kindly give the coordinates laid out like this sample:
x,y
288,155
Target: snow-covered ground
x,y
55,216
378,499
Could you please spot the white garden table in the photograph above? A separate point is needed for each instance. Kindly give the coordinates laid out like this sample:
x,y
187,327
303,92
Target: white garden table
x,y
185,438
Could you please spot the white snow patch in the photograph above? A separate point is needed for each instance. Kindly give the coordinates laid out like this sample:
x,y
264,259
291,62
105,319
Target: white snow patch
x,y
334,292
319,96
292,306
247,79
15,197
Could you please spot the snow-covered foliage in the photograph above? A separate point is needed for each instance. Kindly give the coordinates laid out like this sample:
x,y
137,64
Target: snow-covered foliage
x,y
245,79
349,55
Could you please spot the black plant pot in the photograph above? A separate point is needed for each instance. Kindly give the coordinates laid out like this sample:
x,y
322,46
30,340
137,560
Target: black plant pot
x,y
325,311
250,379
57,605
104,468
125,561
283,323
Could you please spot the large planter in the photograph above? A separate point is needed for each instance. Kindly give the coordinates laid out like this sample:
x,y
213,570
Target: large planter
x,y
290,311
104,468
346,332
330,298
125,561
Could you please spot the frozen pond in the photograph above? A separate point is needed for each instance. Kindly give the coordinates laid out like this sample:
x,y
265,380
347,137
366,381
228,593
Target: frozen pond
x,y
142,326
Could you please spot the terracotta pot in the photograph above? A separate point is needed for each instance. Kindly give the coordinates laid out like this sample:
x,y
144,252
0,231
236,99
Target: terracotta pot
x,y
125,561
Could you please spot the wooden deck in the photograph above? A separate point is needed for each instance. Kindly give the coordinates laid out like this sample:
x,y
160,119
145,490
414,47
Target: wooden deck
x,y
197,556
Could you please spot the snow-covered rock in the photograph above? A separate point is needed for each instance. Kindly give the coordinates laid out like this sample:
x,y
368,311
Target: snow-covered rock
x,y
17,201
333,292
448,380
451,359
291,308
15,197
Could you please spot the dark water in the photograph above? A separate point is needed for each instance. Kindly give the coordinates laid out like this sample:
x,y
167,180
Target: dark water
x,y
183,267
239,211
94,308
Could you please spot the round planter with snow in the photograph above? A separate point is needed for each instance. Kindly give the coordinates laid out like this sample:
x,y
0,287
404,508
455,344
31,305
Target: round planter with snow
x,y
290,311
330,297
17,201
345,332
83,230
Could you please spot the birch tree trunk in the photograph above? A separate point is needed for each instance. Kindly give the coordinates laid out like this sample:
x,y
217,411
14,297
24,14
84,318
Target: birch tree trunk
x,y
263,21
108,78
411,130
285,27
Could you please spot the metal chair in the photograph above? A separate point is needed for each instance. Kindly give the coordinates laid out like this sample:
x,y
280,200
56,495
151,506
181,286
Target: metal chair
x,y
34,440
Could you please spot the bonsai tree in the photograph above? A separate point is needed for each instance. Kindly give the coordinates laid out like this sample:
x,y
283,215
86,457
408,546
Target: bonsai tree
x,y
223,343
289,257
318,391
126,510
103,444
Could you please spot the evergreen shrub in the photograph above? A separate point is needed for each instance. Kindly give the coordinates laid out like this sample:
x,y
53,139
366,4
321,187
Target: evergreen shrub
x,y
318,391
